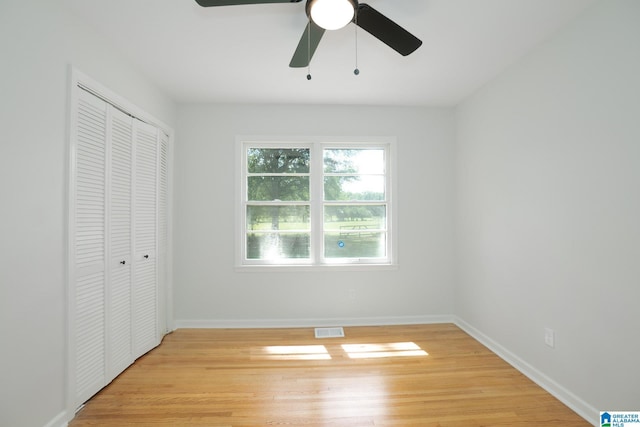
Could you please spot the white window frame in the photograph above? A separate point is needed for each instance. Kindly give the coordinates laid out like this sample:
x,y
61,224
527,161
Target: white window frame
x,y
316,260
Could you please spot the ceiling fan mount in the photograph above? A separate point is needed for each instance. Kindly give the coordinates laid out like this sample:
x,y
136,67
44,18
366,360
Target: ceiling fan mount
x,y
363,15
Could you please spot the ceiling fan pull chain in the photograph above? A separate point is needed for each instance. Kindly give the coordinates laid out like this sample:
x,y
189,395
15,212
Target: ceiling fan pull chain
x,y
356,71
309,49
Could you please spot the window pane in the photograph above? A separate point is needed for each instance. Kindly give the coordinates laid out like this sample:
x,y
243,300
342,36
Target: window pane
x,y
278,218
275,246
359,187
278,160
346,218
355,244
359,161
268,188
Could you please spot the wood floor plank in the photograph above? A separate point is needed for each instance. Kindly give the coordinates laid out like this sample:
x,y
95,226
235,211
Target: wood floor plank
x,y
416,375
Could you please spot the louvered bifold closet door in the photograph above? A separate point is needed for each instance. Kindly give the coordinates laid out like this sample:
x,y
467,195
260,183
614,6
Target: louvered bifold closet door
x,y
145,304
120,343
118,229
163,227
88,246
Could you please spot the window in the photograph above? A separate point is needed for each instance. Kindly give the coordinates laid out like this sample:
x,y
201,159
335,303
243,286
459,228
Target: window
x,y
315,204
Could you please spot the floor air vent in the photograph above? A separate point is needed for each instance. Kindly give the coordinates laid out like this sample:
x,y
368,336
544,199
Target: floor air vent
x,y
329,332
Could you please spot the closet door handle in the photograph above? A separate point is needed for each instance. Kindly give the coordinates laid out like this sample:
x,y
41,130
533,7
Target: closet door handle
x,y
146,256
123,262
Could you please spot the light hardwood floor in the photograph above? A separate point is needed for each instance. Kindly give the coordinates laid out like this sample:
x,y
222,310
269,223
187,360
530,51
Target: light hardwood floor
x,y
417,375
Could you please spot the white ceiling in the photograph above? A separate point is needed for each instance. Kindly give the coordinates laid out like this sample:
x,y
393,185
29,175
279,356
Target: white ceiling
x,y
241,54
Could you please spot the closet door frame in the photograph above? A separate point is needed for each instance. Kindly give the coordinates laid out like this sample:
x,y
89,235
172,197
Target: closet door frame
x,y
78,82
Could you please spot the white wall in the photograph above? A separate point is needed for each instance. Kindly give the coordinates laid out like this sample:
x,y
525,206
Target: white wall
x,y
38,42
548,207
206,285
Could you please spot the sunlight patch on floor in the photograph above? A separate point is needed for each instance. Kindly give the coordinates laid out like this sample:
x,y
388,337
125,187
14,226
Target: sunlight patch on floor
x,y
294,352
353,351
398,349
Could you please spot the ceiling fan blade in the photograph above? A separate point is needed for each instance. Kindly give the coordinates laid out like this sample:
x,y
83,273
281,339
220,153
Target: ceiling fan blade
x,y
306,48
385,30
210,3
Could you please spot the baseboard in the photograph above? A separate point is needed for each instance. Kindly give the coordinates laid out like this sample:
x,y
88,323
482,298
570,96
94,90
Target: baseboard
x,y
59,421
310,323
579,406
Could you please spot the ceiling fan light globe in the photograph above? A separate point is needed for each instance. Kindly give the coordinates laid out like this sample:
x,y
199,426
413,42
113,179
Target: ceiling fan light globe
x,y
332,14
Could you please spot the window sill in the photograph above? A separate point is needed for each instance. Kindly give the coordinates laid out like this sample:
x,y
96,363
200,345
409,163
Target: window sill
x,y
314,268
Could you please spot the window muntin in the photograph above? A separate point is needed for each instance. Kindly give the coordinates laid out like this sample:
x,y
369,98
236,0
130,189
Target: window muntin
x,y
316,204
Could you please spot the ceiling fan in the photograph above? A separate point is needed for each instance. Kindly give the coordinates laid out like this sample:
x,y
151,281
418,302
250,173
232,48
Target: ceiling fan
x,y
332,15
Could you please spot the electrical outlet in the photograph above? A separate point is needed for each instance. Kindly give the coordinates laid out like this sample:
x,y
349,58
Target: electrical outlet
x,y
352,293
550,337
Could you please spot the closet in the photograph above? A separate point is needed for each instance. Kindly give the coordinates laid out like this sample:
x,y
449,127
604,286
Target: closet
x,y
118,233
